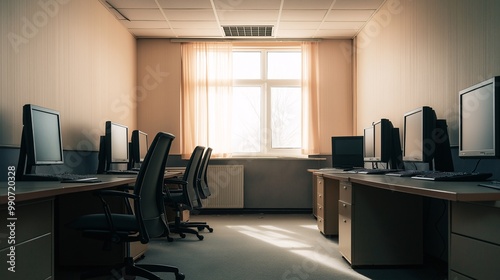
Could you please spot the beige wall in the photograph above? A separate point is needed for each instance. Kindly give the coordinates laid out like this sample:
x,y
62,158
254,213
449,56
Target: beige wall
x,y
158,83
72,56
416,53
159,104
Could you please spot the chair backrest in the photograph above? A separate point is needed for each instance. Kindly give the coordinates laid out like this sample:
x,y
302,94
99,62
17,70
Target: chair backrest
x,y
190,176
202,182
149,209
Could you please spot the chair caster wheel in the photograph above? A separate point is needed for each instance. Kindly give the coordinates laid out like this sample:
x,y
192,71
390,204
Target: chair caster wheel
x,y
200,237
180,276
210,229
182,235
200,228
170,239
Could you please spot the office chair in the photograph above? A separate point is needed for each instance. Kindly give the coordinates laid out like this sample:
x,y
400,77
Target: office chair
x,y
203,189
146,221
185,198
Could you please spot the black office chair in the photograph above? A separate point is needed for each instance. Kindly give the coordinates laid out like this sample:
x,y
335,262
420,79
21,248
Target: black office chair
x,y
202,192
146,221
186,197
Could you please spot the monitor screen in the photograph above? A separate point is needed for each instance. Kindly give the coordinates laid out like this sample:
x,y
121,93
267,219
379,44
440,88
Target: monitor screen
x,y
382,133
139,146
368,144
418,143
478,120
42,133
116,143
347,151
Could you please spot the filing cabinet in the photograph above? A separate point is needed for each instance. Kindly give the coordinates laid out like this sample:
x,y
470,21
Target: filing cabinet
x,y
327,196
379,227
474,240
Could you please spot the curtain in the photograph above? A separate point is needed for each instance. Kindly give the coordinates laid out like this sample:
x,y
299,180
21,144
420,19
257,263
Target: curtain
x,y
206,97
310,98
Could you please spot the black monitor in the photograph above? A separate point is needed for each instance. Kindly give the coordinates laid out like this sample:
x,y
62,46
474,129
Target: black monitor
x,y
116,144
138,146
479,132
383,134
347,151
41,141
369,144
418,129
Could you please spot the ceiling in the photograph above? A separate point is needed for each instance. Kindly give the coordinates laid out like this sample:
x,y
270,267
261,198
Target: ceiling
x,y
200,19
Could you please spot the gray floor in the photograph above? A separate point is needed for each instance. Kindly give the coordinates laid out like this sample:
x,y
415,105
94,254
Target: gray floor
x,y
268,246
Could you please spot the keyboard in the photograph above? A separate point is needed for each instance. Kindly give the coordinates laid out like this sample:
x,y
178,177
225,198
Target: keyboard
x,y
63,178
453,176
132,172
407,173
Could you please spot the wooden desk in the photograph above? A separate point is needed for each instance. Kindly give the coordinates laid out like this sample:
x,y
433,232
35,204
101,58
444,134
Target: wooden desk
x,y
381,216
41,209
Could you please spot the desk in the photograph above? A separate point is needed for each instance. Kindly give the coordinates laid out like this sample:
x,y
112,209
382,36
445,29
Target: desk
x,y
380,221
41,209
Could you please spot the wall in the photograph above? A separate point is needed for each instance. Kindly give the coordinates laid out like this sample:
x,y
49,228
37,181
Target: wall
x,y
416,53
269,183
72,56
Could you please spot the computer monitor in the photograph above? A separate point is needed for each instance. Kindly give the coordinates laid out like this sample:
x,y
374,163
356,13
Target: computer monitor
x,y
116,143
41,140
368,144
383,134
347,151
138,146
479,133
418,142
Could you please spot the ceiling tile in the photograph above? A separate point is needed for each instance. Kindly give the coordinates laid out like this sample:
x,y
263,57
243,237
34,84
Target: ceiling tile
x,y
289,33
131,3
194,24
349,15
142,14
336,34
247,4
358,4
189,14
145,24
185,4
342,25
249,15
299,25
303,15
306,5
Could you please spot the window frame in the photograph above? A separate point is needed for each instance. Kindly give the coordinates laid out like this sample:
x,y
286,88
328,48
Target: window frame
x,y
266,85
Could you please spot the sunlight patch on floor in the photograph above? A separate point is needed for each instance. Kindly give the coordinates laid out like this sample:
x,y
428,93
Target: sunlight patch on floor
x,y
271,235
318,256
314,227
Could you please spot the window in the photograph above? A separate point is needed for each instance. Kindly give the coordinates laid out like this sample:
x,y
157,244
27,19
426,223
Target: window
x,y
250,100
267,102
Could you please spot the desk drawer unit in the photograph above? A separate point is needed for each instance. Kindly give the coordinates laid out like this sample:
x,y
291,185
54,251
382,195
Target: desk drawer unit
x,y
379,227
475,240
33,256
326,207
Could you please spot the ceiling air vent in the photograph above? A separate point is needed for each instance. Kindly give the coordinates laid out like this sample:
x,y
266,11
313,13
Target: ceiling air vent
x,y
248,30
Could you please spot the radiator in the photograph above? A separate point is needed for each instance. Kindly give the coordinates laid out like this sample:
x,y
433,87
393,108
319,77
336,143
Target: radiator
x,y
226,186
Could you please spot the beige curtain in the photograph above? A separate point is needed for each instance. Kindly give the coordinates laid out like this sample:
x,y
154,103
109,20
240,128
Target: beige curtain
x,y
310,99
206,97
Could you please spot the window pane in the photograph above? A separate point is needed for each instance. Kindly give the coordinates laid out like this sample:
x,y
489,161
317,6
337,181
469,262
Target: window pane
x,y
286,117
246,120
246,65
284,65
